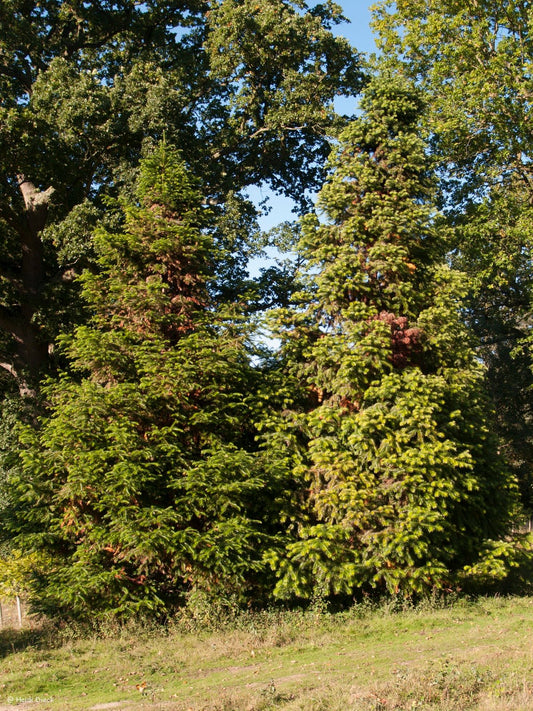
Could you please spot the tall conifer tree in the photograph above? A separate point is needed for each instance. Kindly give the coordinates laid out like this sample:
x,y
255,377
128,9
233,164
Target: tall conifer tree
x,y
401,481
141,485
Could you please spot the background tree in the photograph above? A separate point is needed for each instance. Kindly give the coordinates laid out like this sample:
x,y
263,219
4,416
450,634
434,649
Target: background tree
x,y
401,481
245,89
473,60
142,485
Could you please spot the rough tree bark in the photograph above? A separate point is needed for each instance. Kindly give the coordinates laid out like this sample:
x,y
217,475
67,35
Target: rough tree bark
x,y
31,345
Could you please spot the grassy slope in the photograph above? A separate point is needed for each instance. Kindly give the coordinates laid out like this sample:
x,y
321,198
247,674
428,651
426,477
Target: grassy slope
x,y
472,655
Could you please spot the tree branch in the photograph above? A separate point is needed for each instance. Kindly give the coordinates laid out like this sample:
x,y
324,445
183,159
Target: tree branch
x,y
25,390
24,79
36,202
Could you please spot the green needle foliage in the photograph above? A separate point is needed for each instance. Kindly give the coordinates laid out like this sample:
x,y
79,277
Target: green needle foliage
x,y
402,486
473,62
141,486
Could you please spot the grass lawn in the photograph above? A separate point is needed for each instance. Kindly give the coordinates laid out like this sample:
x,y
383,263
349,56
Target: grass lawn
x,y
469,655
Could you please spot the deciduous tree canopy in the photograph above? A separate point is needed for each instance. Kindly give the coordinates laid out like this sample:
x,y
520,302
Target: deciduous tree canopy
x,y
244,89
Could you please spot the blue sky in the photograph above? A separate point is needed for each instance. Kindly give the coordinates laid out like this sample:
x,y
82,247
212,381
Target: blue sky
x,y
358,31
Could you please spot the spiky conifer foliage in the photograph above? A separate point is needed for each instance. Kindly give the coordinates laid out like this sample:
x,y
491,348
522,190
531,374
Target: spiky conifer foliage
x,y
401,482
141,484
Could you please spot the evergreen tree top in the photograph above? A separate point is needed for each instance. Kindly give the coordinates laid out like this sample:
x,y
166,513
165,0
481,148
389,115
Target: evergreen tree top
x,y
165,180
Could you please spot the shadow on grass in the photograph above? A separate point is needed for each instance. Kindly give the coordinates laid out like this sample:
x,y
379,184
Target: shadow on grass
x,y
15,640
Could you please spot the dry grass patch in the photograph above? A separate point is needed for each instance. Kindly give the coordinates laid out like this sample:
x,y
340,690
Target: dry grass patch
x,y
472,655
